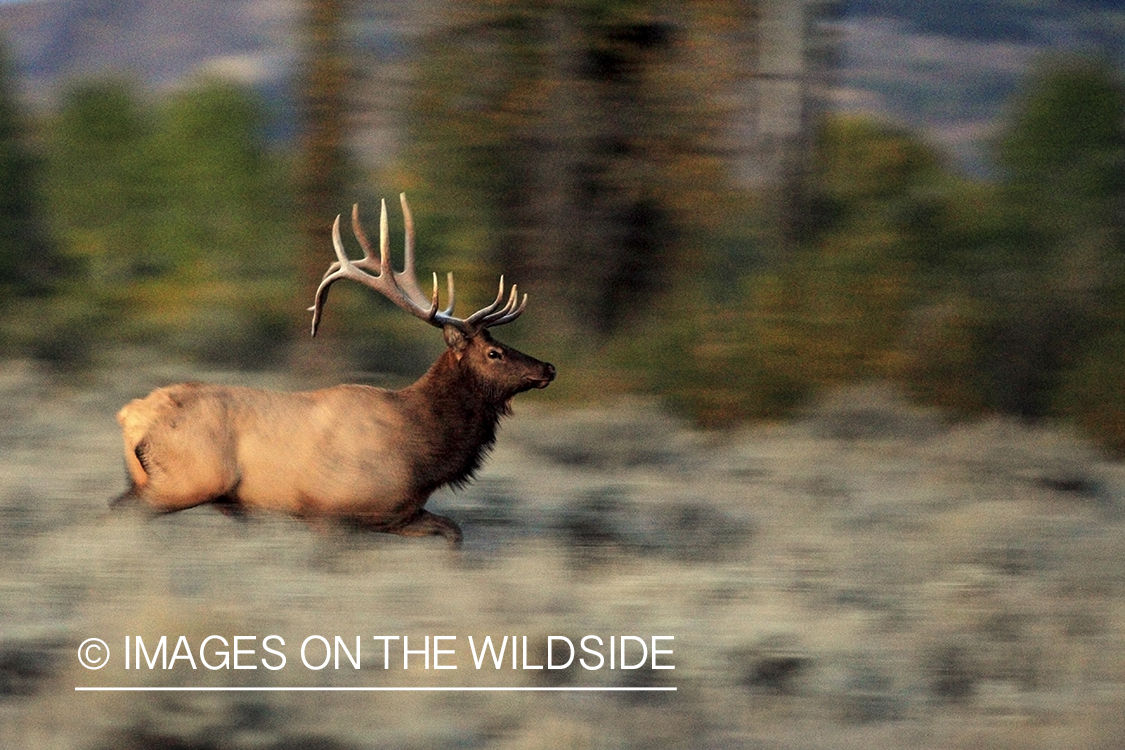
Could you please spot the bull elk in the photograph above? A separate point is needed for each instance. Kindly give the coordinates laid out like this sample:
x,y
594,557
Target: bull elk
x,y
361,455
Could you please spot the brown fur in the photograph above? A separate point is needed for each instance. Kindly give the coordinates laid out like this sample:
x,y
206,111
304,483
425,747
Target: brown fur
x,y
356,454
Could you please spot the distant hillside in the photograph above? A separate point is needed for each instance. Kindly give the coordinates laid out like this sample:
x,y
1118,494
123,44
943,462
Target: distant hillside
x,y
157,41
162,42
944,69
947,68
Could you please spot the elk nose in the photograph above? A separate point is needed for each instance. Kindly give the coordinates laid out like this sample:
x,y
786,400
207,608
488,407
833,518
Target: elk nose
x,y
550,370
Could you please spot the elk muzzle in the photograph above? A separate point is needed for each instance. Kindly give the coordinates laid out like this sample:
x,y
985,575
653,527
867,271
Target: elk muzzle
x,y
544,378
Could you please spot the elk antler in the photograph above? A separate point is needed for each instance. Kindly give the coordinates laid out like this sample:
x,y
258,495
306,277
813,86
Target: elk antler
x,y
401,287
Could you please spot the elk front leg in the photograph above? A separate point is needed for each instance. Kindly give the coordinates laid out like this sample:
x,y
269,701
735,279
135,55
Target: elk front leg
x,y
425,523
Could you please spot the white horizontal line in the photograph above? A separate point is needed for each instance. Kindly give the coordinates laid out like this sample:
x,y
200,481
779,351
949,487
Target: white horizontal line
x,y
373,689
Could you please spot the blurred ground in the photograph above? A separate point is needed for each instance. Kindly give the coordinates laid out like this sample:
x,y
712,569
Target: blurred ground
x,y
866,576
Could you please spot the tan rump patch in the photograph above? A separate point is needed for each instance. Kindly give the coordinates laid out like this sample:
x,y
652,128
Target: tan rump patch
x,y
136,418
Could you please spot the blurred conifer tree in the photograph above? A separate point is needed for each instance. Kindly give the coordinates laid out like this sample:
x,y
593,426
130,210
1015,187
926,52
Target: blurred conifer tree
x,y
1060,257
322,162
576,147
24,248
174,223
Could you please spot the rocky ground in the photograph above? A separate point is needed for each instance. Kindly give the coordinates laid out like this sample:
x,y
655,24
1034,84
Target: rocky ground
x,y
869,575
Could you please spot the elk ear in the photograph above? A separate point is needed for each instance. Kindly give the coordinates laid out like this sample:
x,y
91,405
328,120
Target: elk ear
x,y
455,339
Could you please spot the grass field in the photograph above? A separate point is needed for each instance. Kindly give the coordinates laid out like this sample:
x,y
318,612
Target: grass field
x,y
869,575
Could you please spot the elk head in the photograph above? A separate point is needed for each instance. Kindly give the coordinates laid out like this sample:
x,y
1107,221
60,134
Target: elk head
x,y
499,371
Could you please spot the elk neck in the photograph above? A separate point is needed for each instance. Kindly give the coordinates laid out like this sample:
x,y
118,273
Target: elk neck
x,y
457,416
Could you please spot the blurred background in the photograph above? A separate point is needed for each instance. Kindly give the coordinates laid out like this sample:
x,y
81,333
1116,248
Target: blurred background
x,y
733,205
836,290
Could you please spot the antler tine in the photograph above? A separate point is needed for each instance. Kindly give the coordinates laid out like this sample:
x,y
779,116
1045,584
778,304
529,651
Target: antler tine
x,y
386,283
402,287
405,280
384,241
335,271
484,312
490,316
444,316
408,274
408,226
509,312
368,260
448,311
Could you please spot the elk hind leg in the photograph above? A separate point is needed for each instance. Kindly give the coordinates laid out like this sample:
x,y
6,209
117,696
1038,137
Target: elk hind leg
x,y
129,498
181,479
230,506
136,476
426,523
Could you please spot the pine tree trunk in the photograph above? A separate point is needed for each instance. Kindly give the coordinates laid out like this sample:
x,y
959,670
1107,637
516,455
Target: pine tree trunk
x,y
322,165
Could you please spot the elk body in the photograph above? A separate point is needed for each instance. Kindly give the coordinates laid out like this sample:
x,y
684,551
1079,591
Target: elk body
x,y
364,456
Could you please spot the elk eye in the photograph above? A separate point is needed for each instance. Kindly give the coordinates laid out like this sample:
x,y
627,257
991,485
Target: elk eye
x,y
494,354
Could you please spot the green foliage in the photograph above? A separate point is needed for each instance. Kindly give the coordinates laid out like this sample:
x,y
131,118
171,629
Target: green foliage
x,y
826,318
1027,313
1057,264
1066,157
578,148
834,309
100,186
976,296
24,252
1005,296
1091,393
173,221
1064,160
1066,130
